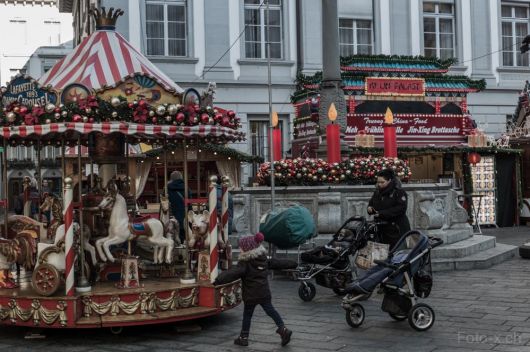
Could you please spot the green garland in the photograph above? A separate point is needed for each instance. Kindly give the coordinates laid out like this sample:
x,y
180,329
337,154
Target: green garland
x,y
442,64
214,148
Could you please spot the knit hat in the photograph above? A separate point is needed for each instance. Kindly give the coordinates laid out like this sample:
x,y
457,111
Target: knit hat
x,y
176,175
249,243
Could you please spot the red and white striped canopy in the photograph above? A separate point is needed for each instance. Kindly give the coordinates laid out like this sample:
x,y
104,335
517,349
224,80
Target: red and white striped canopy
x,y
74,150
135,132
103,59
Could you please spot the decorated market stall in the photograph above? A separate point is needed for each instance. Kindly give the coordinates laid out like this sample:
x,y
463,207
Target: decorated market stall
x,y
435,132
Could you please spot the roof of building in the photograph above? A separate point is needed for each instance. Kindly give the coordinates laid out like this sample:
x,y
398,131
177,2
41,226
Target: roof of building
x,y
395,63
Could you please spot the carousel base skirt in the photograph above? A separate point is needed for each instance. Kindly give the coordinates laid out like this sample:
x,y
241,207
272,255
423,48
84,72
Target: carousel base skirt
x,y
156,301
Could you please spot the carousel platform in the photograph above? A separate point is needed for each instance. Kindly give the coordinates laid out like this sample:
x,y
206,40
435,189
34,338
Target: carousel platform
x,y
156,301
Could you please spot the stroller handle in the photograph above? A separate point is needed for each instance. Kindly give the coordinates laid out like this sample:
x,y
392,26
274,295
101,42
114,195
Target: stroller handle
x,y
435,242
385,264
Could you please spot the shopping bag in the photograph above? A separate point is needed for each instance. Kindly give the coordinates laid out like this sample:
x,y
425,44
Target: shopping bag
x,y
372,251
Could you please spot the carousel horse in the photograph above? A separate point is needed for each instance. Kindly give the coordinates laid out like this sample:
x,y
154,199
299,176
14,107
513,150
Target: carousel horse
x,y
18,223
121,230
53,204
171,225
20,250
59,237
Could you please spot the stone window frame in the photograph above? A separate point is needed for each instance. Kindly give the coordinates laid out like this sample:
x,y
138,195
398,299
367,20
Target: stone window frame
x,y
523,58
355,44
456,27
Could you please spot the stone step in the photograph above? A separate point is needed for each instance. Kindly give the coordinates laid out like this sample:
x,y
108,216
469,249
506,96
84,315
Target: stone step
x,y
452,235
481,260
464,248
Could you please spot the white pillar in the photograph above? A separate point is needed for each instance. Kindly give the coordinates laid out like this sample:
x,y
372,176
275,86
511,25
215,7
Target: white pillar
x,y
384,35
415,25
135,27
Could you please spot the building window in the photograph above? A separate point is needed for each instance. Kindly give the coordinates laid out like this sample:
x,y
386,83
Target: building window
x,y
514,29
166,28
18,31
260,140
355,36
53,31
256,32
438,30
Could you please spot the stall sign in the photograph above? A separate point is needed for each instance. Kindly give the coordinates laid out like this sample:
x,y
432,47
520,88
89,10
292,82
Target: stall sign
x,y
307,129
414,125
26,91
394,86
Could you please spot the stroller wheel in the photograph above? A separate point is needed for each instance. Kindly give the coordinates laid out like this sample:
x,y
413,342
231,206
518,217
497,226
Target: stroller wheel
x,y
355,315
307,291
398,317
421,317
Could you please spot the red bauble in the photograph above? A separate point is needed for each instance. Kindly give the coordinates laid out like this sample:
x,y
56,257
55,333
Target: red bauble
x,y
91,120
225,121
230,113
180,117
204,118
142,103
77,118
131,105
473,158
23,110
154,119
218,117
197,108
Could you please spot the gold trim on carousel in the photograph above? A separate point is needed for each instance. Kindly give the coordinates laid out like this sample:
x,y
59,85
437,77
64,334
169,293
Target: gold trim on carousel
x,y
36,312
148,302
230,295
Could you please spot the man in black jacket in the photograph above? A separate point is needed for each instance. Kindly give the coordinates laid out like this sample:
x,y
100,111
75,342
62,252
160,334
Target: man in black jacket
x,y
389,203
176,198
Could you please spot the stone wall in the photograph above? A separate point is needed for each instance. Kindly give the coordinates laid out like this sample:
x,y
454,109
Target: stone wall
x,y
432,207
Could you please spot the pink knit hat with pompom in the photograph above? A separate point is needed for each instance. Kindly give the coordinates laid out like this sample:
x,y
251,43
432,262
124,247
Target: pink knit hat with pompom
x,y
249,243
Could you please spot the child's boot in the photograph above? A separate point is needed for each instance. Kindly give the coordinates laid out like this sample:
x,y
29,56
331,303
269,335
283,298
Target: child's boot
x,y
242,340
285,334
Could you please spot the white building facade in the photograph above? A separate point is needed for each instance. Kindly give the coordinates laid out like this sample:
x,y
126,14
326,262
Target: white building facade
x,y
26,26
198,41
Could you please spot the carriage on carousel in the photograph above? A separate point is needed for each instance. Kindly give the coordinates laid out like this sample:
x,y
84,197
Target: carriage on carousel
x,y
96,263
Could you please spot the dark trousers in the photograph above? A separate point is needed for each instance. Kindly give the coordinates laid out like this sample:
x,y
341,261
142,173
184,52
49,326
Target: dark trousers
x,y
248,311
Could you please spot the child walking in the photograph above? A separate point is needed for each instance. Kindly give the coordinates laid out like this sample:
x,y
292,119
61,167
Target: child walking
x,y
252,269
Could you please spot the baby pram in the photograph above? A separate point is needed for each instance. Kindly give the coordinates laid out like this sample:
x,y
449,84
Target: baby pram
x,y
330,265
409,264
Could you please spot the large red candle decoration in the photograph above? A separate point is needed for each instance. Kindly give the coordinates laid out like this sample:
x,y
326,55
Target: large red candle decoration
x,y
333,136
277,143
390,135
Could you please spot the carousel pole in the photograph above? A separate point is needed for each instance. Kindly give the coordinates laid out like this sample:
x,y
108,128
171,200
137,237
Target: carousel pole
x,y
212,233
5,193
165,167
198,171
188,277
224,223
68,215
39,178
83,285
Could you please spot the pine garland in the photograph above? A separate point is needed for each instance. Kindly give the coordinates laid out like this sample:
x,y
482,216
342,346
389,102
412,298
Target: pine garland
x,y
214,148
414,60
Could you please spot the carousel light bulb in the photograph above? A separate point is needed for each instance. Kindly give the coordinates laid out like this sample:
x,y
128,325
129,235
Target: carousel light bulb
x,y
214,153
172,152
200,151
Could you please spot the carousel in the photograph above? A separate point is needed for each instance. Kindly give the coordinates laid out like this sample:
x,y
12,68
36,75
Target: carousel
x,y
96,262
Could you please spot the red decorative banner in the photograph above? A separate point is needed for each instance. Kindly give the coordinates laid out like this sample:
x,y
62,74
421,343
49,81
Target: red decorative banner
x,y
394,86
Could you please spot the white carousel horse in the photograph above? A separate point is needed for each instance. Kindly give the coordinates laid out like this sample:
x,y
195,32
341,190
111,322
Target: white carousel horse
x,y
59,236
199,235
171,225
121,230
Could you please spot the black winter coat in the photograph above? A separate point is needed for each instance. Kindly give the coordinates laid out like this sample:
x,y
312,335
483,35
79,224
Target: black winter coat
x,y
391,204
253,274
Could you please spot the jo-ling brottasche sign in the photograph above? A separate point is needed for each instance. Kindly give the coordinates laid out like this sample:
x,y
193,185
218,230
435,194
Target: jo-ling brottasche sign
x,y
26,91
394,86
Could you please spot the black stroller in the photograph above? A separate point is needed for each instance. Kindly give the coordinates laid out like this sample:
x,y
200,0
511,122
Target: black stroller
x,y
408,264
330,265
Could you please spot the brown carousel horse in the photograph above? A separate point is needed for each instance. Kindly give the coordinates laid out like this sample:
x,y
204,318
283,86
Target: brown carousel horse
x,y
20,250
53,204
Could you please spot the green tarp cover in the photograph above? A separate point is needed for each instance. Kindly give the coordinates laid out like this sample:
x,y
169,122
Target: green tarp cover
x,y
288,227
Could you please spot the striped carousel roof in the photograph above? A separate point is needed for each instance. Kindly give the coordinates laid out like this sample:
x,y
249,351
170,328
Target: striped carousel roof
x,y
102,60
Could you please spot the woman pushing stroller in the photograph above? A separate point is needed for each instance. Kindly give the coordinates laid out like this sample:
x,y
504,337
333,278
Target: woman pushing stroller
x,y
389,203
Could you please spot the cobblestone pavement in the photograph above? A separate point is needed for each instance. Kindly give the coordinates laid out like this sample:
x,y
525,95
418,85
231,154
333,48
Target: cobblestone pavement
x,y
475,311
